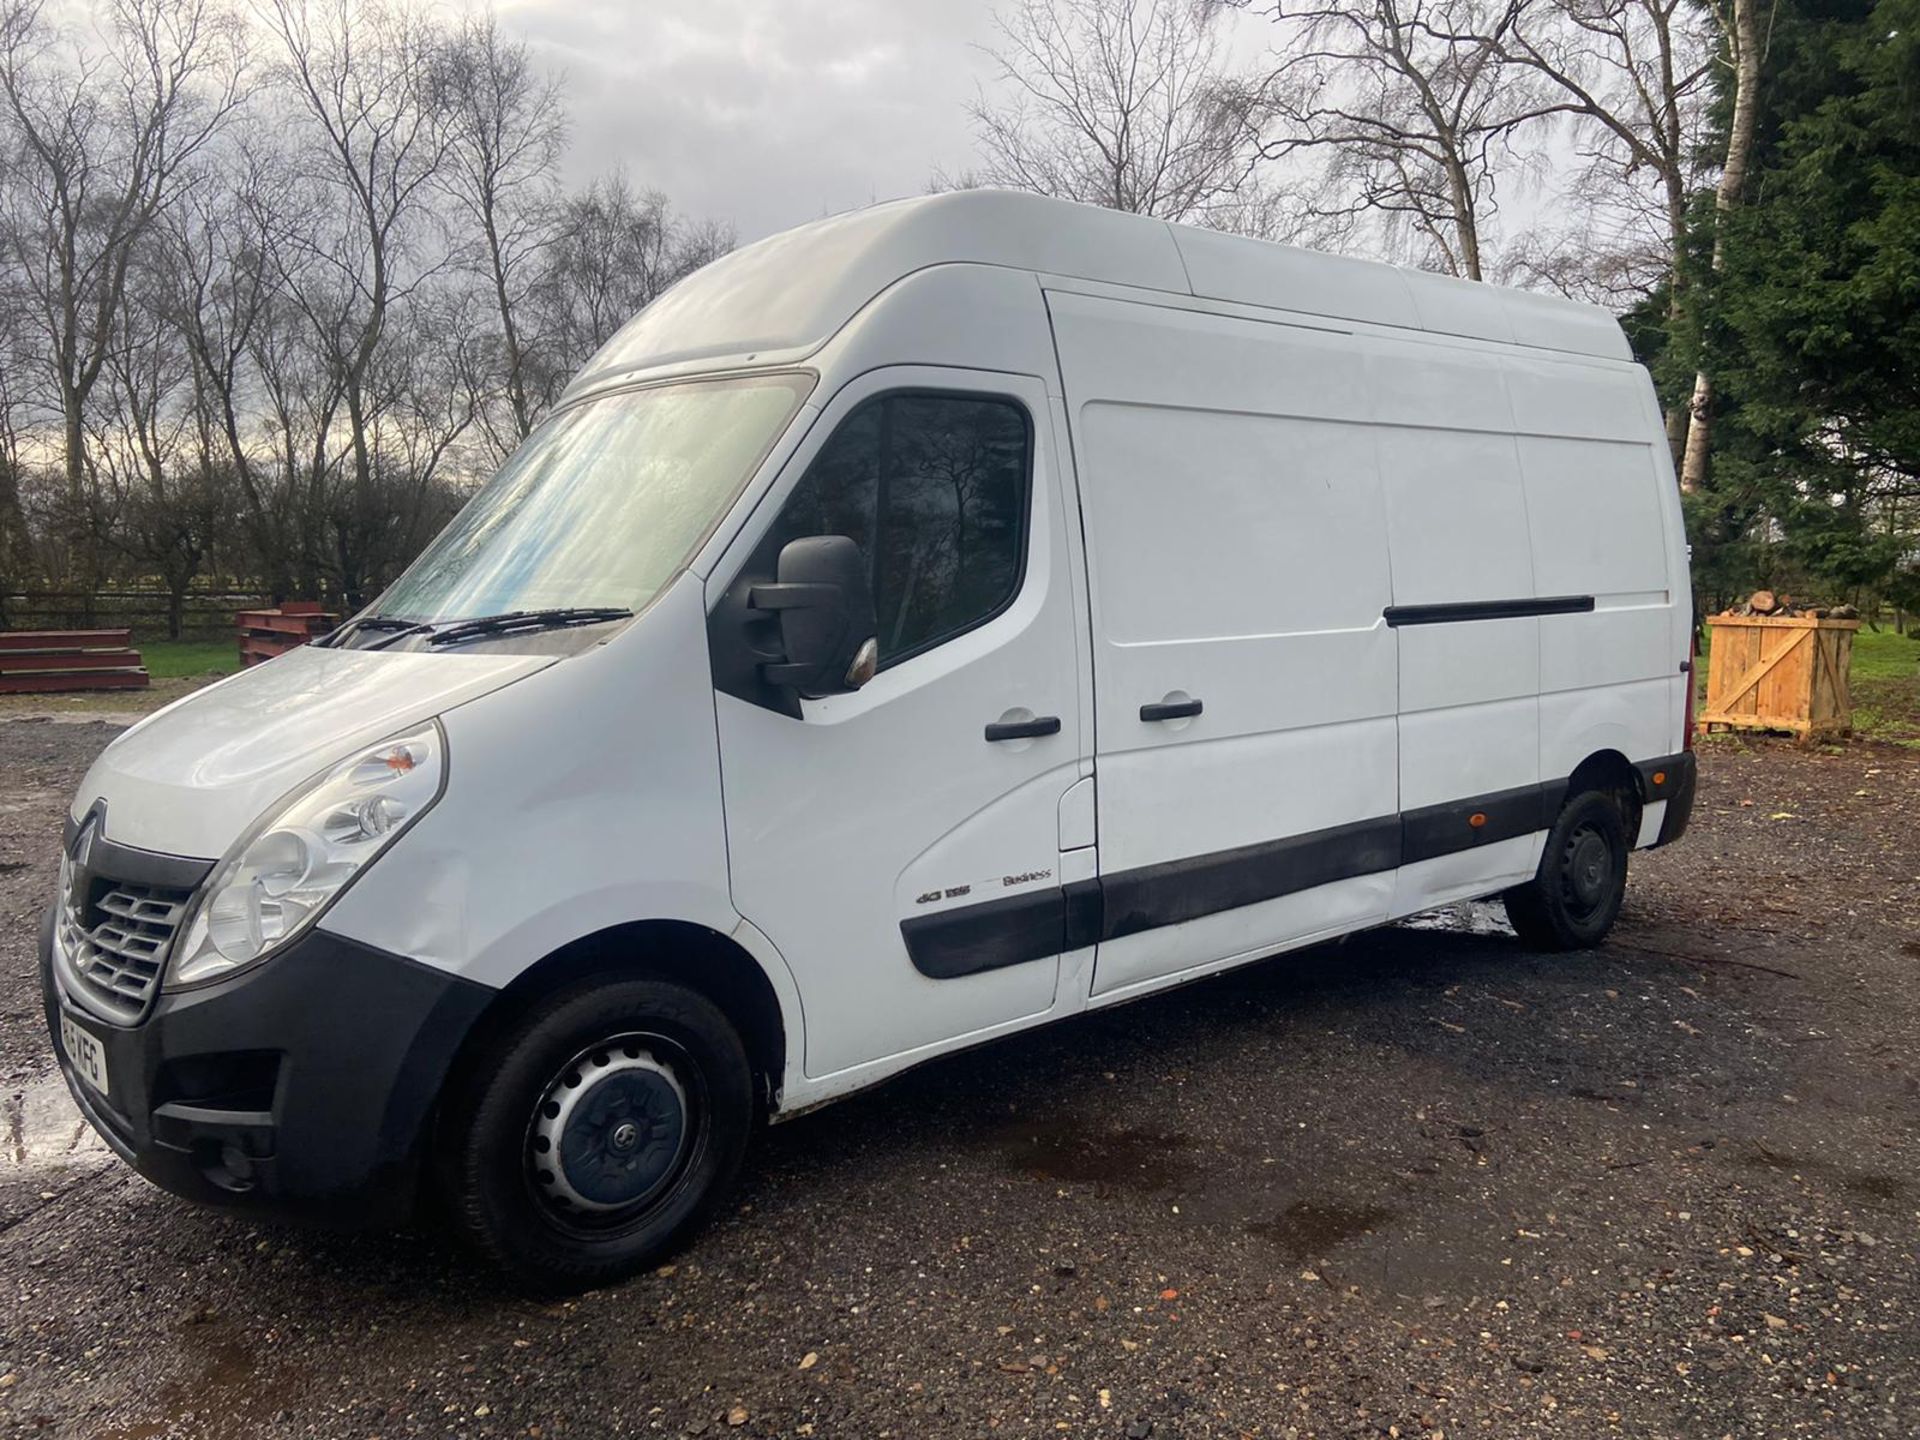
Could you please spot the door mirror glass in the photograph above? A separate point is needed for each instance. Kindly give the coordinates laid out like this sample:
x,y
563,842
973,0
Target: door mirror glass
x,y
824,603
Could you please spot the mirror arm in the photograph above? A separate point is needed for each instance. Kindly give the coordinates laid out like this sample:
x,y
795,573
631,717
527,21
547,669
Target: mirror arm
x,y
792,596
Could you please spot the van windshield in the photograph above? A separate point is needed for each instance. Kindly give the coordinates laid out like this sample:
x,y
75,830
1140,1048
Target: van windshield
x,y
602,504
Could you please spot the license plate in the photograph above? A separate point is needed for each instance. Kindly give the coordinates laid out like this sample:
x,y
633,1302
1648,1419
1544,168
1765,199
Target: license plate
x,y
86,1054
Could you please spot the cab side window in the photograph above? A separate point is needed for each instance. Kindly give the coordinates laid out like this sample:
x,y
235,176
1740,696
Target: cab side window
x,y
933,489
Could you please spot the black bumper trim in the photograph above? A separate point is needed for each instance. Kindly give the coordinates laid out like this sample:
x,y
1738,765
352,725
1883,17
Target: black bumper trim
x,y
320,1069
1683,779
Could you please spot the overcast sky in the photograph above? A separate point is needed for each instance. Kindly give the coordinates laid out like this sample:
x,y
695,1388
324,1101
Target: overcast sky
x,y
766,112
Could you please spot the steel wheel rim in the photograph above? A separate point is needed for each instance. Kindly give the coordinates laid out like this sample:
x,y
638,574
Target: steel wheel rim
x,y
1587,871
586,1121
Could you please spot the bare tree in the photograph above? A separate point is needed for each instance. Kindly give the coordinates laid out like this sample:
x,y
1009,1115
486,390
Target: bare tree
x,y
616,250
1632,76
362,72
158,488
223,289
13,407
507,132
1121,103
1413,112
100,133
288,345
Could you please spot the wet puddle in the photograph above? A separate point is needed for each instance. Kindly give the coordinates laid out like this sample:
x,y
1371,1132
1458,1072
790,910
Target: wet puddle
x,y
1120,1159
44,1133
1463,917
1307,1230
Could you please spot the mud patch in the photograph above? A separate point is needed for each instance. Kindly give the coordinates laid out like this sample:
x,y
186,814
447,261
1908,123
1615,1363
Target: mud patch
x,y
221,1402
1870,1185
1307,1230
1074,1154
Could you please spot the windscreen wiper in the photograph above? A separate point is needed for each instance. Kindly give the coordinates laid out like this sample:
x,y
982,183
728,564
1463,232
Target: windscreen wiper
x,y
455,631
393,623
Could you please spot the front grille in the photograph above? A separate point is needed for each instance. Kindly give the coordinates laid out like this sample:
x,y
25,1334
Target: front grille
x,y
115,936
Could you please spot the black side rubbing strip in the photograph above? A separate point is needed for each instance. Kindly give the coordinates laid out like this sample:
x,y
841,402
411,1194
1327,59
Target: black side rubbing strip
x,y
1397,615
1182,890
1086,912
1043,923
974,938
1436,830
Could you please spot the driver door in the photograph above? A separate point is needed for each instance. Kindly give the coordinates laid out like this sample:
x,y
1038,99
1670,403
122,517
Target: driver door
x,y
900,844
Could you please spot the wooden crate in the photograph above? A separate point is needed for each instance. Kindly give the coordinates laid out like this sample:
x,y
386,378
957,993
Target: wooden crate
x,y
41,662
1768,674
267,633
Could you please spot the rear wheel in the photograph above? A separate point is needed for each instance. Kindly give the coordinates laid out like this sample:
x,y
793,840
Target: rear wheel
x,y
599,1133
1575,896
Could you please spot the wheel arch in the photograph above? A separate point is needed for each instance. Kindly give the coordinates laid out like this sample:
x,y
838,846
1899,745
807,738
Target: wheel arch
x,y
697,956
1612,773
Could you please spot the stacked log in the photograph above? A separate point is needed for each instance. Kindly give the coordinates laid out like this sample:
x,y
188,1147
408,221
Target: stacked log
x,y
1785,607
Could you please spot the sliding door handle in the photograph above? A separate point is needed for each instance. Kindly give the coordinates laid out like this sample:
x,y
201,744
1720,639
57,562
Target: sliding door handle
x,y
1024,729
1170,710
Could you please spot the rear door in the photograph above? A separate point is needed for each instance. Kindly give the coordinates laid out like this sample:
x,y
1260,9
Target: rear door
x,y
900,846
1244,675
1466,608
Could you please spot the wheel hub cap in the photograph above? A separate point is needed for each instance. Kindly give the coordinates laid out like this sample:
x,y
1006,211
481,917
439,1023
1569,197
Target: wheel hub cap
x,y
610,1131
1589,868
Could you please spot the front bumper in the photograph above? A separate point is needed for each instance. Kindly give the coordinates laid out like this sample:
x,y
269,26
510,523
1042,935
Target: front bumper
x,y
304,1085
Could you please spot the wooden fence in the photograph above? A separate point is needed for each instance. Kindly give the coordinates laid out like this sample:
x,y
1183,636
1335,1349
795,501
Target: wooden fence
x,y
206,615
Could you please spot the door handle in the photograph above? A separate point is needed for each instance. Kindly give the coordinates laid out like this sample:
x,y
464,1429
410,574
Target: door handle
x,y
1170,710
1024,729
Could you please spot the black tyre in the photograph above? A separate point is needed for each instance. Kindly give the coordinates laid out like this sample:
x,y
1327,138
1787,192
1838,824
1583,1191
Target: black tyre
x,y
599,1133
1574,898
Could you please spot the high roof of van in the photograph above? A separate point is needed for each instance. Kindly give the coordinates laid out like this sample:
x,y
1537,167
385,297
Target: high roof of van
x,y
777,300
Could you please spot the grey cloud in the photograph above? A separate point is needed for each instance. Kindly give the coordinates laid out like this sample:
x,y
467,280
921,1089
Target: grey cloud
x,y
763,113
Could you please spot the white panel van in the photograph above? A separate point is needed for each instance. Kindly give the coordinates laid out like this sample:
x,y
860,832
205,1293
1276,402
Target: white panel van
x,y
918,626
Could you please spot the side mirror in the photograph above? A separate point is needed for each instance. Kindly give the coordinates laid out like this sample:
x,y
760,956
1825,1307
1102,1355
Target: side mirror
x,y
827,624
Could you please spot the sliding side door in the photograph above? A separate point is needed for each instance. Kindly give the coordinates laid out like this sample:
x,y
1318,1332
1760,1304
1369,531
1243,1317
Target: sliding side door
x,y
1244,675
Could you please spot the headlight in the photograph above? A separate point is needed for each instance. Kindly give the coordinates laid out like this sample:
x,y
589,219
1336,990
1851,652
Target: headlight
x,y
291,866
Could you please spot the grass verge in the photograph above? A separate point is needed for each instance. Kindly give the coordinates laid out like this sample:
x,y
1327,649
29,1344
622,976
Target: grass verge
x,y
189,659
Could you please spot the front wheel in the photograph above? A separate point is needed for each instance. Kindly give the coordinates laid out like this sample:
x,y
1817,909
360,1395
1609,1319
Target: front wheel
x,y
599,1132
1575,896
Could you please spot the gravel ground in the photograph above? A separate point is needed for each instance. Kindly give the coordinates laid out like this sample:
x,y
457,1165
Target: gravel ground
x,y
1422,1183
